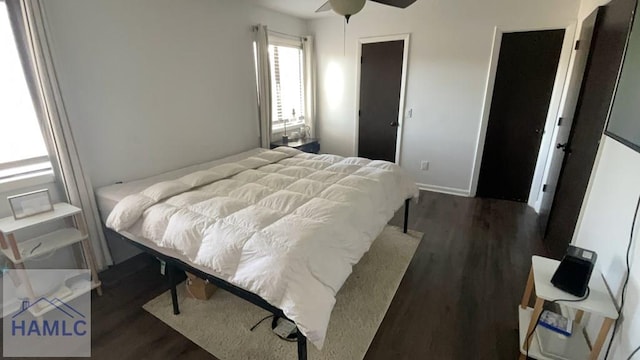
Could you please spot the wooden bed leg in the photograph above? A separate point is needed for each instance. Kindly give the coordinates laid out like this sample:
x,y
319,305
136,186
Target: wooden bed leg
x,y
302,346
174,291
406,215
526,297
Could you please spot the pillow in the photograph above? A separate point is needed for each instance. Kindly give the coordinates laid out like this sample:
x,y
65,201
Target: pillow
x,y
227,170
165,189
254,162
287,150
200,178
273,156
128,210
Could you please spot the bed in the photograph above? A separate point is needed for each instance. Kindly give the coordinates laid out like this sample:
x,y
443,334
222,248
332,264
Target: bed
x,y
279,228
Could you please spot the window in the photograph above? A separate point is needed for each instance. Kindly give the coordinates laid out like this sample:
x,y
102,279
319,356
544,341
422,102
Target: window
x,y
287,84
22,148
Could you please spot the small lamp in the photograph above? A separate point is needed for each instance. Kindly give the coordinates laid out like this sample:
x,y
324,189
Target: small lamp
x,y
285,137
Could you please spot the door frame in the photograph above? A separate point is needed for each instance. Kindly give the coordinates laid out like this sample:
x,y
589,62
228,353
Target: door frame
x,y
403,85
557,95
568,107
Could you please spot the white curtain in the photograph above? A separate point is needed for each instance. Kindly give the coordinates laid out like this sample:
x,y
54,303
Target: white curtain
x,y
309,84
29,23
264,84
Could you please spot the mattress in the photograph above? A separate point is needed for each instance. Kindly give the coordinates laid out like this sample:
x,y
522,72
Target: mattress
x,y
282,224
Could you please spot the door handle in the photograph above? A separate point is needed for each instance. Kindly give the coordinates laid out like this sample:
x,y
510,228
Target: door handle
x,y
564,147
394,124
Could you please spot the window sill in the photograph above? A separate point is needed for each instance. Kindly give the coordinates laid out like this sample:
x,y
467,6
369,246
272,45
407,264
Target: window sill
x,y
279,130
24,181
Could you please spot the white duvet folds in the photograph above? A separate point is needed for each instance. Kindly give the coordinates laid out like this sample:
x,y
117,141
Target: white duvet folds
x,y
285,225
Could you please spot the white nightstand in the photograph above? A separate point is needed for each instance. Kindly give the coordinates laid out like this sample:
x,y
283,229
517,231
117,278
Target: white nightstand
x,y
598,302
76,232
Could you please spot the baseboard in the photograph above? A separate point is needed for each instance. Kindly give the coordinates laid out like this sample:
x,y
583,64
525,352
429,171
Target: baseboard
x,y
444,190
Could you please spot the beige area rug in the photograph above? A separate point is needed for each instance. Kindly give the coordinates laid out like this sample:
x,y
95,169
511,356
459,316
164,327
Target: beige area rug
x,y
221,324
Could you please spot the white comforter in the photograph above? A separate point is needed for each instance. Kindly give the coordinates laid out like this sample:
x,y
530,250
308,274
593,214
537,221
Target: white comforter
x,y
282,224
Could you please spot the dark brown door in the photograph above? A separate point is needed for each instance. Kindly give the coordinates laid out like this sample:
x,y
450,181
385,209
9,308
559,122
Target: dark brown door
x,y
380,83
601,74
564,124
524,81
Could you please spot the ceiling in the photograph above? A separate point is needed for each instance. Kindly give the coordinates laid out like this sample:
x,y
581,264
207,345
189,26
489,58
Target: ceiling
x,y
301,8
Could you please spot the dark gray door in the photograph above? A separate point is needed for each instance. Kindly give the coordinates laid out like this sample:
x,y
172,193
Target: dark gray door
x,y
380,84
525,76
600,78
563,127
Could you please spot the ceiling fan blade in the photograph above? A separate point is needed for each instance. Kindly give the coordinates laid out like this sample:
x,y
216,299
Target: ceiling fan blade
x,y
396,3
325,7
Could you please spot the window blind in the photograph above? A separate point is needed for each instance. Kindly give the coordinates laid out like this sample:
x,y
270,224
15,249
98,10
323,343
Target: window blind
x,y
287,84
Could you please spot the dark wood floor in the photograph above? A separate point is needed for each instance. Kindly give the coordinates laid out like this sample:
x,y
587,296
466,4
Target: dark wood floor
x,y
457,300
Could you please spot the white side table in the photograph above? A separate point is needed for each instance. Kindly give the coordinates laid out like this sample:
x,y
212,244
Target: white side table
x,y
75,232
598,302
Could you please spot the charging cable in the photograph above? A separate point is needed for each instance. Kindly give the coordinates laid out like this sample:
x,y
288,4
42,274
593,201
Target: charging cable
x,y
626,282
633,353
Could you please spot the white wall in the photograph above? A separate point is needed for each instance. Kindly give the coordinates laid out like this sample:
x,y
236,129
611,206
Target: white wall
x,y
604,227
153,85
451,43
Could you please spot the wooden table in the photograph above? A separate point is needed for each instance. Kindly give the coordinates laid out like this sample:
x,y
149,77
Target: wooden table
x,y
598,302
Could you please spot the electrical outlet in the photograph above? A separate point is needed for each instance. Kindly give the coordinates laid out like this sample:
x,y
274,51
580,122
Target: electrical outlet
x,y
424,165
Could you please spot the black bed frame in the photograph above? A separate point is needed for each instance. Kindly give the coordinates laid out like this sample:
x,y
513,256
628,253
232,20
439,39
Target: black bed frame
x,y
173,265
